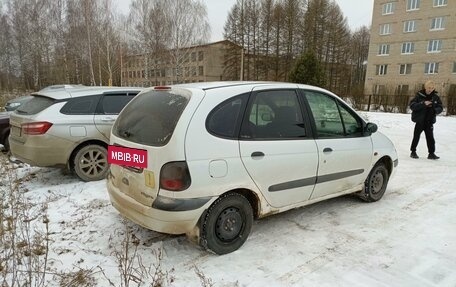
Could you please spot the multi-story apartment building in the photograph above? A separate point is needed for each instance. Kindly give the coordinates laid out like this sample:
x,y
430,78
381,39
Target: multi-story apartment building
x,y
412,41
202,63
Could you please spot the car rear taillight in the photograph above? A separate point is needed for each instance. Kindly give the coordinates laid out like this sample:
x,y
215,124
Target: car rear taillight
x,y
37,128
174,176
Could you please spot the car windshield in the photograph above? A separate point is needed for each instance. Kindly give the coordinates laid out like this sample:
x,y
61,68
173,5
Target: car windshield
x,y
151,117
35,105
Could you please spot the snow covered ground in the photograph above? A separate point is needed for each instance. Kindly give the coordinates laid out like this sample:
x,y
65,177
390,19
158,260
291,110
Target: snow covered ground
x,y
406,239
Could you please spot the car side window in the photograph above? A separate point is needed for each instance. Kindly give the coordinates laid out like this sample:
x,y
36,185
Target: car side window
x,y
112,104
223,119
274,114
81,105
353,125
331,119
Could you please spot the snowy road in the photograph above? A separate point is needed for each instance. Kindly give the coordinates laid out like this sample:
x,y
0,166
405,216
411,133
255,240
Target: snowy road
x,y
406,239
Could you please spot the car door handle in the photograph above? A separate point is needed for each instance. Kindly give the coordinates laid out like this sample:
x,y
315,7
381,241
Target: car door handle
x,y
327,150
108,119
257,154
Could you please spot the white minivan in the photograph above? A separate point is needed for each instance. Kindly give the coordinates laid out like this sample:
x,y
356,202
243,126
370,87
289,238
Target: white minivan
x,y
206,159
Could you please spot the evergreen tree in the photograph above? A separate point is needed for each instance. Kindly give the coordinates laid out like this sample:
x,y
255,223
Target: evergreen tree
x,y
308,70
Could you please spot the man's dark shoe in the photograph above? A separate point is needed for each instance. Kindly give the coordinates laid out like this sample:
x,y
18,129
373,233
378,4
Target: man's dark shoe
x,y
433,156
414,155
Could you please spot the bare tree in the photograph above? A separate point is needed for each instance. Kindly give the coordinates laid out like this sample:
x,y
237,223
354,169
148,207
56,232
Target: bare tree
x,y
109,42
359,53
327,35
6,53
293,16
88,7
189,26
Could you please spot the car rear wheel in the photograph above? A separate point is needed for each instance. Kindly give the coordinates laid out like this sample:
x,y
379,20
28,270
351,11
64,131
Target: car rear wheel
x,y
375,184
91,163
227,224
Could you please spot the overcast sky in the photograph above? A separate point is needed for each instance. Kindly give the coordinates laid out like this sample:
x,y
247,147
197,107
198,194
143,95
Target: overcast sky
x,y
358,13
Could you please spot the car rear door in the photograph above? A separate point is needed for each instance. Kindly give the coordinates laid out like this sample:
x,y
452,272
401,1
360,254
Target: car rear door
x,y
345,153
276,148
109,108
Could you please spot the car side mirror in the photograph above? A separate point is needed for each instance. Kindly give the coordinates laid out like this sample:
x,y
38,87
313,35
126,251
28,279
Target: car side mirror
x,y
370,128
266,117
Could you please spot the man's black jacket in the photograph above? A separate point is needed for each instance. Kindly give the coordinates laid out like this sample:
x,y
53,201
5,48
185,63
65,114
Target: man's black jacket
x,y
422,114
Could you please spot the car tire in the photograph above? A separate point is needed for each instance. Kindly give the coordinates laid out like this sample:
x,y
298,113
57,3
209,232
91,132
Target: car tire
x,y
226,224
91,163
375,184
6,146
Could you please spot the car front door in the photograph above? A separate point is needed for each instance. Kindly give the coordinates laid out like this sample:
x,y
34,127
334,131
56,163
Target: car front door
x,y
276,148
345,153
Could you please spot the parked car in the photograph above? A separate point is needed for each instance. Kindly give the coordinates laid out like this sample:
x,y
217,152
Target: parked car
x,y
13,104
205,159
68,127
10,106
4,131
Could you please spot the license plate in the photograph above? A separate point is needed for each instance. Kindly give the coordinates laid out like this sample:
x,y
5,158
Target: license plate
x,y
16,131
127,156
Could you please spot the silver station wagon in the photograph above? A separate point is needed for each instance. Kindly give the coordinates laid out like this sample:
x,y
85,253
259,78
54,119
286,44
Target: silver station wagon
x,y
68,127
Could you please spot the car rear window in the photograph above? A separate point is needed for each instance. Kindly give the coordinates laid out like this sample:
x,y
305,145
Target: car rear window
x,y
150,118
35,105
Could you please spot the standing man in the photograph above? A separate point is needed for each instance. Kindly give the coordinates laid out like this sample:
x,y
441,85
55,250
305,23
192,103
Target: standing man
x,y
425,106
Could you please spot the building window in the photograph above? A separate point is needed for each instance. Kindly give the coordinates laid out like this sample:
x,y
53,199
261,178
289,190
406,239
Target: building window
x,y
193,56
200,71
381,70
379,90
454,67
388,8
434,46
383,49
405,69
431,68
410,26
200,56
402,90
413,5
408,48
439,3
385,29
437,23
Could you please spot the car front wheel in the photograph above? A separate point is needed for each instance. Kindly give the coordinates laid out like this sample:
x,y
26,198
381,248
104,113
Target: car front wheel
x,y
375,184
91,163
227,224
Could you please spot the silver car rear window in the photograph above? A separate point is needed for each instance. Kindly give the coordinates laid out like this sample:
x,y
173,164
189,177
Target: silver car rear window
x,y
150,118
35,105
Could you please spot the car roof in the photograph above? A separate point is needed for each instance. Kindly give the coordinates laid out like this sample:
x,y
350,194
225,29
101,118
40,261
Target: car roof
x,y
63,86
222,84
247,84
80,91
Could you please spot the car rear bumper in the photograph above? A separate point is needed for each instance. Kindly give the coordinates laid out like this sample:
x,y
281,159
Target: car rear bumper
x,y
165,221
42,151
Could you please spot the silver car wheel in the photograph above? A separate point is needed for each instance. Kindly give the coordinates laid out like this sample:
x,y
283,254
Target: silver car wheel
x,y
91,163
